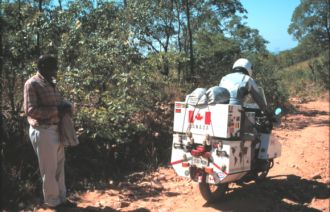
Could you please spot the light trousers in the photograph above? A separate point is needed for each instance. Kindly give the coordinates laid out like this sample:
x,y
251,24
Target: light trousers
x,y
46,143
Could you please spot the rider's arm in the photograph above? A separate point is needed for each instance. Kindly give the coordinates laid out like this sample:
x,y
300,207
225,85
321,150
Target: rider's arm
x,y
257,97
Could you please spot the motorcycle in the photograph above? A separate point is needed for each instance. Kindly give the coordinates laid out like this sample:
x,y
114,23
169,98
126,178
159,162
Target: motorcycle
x,y
210,147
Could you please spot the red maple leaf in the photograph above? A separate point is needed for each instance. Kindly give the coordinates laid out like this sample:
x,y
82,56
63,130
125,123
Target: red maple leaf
x,y
199,117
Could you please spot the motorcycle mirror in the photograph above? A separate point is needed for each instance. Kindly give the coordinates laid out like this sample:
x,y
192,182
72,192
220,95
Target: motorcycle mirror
x,y
278,111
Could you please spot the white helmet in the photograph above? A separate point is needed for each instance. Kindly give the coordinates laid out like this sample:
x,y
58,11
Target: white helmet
x,y
244,63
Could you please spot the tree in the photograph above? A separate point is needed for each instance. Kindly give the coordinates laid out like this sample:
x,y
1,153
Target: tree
x,y
19,47
310,21
249,40
190,39
215,54
156,24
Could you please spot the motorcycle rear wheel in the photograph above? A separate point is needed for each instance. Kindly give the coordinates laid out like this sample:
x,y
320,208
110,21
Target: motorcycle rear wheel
x,y
211,192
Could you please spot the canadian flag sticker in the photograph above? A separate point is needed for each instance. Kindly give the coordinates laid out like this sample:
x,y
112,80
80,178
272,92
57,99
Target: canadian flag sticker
x,y
199,117
207,118
191,116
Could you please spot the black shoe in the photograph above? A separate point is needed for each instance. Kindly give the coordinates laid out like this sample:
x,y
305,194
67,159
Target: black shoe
x,y
66,204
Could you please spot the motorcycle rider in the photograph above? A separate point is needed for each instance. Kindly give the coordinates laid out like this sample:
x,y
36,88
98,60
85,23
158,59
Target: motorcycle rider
x,y
239,83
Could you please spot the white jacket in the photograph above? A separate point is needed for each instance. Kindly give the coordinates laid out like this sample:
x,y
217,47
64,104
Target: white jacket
x,y
239,85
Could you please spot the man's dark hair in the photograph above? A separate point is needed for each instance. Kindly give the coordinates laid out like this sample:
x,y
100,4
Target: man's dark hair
x,y
47,63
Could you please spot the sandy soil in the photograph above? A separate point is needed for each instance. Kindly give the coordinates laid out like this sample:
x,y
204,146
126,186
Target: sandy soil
x,y
299,180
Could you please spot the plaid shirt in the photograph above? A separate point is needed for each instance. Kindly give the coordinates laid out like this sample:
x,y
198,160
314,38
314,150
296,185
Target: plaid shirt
x,y
40,101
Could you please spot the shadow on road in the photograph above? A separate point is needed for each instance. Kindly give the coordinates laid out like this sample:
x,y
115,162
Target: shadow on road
x,y
87,209
93,209
277,193
303,119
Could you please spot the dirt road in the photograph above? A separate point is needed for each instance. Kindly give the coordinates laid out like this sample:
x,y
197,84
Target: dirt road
x,y
299,180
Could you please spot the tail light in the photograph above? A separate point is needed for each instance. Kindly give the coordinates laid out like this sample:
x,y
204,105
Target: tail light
x,y
208,170
185,164
201,148
195,153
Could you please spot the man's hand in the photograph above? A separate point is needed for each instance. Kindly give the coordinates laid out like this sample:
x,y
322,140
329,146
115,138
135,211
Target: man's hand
x,y
270,116
64,107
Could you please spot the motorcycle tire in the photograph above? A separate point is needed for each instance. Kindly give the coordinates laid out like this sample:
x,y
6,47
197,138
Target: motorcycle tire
x,y
212,193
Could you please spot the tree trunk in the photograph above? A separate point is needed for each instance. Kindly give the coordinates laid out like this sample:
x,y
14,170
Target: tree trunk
x,y
179,39
191,50
168,33
60,4
313,71
1,69
38,49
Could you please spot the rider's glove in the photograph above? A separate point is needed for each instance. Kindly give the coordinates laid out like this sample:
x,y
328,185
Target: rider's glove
x,y
270,117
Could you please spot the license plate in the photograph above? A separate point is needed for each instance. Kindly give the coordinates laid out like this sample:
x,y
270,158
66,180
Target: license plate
x,y
200,162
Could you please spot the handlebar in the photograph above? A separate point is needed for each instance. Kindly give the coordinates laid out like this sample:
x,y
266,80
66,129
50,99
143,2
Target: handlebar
x,y
265,121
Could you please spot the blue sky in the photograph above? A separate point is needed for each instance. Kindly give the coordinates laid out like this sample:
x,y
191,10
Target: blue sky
x,y
272,18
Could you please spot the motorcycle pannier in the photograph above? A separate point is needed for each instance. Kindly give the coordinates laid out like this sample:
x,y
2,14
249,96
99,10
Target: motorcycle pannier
x,y
217,120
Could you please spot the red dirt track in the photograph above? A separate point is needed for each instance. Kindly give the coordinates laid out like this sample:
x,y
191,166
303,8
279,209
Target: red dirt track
x,y
299,180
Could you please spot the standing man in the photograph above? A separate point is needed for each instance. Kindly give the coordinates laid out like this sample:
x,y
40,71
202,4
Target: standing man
x,y
44,108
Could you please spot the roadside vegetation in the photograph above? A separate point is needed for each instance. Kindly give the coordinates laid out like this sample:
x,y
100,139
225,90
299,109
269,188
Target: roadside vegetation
x,y
313,75
124,63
